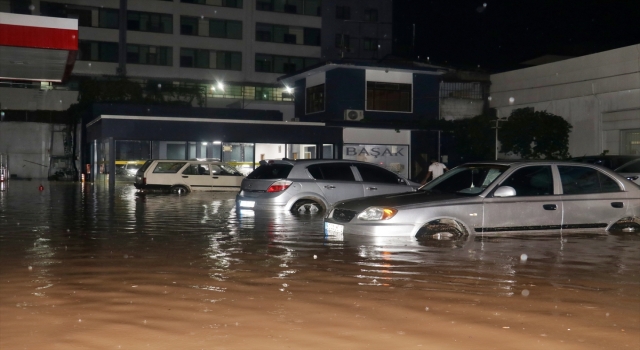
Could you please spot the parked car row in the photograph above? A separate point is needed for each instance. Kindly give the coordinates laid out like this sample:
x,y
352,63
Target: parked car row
x,y
488,198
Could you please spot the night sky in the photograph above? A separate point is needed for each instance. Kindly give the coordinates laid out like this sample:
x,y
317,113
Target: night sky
x,y
505,33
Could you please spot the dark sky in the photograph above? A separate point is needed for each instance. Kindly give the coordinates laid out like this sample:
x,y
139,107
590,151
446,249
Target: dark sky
x,y
505,33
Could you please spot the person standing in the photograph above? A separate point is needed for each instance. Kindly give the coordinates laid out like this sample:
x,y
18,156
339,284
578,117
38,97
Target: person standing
x,y
435,169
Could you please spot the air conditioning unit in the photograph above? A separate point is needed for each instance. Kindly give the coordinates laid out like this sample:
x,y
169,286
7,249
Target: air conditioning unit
x,y
353,114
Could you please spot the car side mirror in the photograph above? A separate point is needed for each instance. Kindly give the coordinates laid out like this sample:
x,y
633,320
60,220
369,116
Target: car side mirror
x,y
505,191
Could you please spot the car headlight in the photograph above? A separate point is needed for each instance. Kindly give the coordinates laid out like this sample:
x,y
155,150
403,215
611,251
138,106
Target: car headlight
x,y
377,213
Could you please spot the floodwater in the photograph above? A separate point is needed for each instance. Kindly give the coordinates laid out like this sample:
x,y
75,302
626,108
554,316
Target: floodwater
x,y
82,268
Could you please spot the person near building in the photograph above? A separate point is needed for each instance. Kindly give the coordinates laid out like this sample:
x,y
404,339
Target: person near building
x,y
435,169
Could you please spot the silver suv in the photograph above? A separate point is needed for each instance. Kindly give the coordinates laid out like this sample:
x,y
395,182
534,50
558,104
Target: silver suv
x,y
315,185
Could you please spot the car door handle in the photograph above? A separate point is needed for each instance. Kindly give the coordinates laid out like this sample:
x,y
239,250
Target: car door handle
x,y
329,186
617,204
372,188
214,177
186,177
550,206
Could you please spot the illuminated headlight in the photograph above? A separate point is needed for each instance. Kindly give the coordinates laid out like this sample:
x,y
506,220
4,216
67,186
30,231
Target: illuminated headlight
x,y
377,213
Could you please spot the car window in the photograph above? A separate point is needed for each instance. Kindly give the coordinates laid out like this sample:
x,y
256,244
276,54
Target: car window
x,y
583,180
196,169
631,167
225,169
144,167
271,171
531,181
332,171
168,167
466,179
372,173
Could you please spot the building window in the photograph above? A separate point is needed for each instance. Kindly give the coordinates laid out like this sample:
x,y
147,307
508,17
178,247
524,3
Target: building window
x,y
150,22
343,12
315,99
225,29
343,41
300,7
188,25
282,64
370,44
371,15
389,97
152,55
100,51
203,58
288,35
222,3
86,16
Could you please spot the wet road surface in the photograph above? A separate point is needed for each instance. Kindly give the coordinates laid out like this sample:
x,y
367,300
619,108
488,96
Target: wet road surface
x,y
81,268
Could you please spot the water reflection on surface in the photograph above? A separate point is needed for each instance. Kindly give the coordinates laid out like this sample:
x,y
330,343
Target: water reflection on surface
x,y
85,268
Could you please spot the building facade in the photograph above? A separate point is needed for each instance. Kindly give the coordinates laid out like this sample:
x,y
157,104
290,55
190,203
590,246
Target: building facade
x,y
598,94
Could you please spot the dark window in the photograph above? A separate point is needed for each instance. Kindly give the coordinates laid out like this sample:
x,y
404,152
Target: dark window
x,y
315,99
223,3
531,181
332,171
372,173
150,22
264,32
100,51
194,58
371,15
264,63
631,167
307,7
189,25
289,38
109,18
343,12
225,29
264,5
82,15
228,60
388,97
312,7
271,171
312,36
342,41
369,44
168,167
152,55
583,180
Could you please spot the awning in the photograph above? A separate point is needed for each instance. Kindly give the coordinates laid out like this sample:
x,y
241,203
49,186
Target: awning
x,y
37,48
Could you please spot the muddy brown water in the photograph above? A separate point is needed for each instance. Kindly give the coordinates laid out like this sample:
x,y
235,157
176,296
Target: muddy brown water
x,y
82,268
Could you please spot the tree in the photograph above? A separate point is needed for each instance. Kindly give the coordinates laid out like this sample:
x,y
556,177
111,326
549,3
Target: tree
x,y
535,135
474,137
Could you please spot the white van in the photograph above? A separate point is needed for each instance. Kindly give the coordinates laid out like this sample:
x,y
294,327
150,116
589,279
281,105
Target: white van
x,y
182,176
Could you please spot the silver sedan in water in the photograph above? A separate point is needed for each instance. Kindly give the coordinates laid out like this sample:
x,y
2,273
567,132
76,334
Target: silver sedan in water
x,y
495,198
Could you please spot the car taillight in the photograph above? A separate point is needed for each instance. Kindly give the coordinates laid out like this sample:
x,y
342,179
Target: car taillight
x,y
144,181
279,186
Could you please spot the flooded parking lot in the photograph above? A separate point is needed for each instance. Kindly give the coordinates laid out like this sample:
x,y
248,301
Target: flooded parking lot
x,y
83,268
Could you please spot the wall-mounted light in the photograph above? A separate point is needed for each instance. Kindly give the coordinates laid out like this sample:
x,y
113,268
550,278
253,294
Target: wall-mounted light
x,y
217,142
511,99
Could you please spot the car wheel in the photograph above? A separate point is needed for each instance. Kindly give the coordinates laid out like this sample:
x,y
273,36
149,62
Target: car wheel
x,y
306,206
442,229
179,190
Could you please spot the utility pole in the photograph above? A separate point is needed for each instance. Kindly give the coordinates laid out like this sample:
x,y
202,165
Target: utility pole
x,y
498,127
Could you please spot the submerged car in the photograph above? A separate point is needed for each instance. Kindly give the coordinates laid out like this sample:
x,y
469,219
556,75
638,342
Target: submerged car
x,y
498,198
183,176
630,170
315,185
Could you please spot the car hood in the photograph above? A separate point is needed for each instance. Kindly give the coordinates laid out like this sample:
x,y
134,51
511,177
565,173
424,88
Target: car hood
x,y
404,200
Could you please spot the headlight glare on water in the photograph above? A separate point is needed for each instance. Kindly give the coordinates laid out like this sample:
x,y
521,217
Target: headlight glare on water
x,y
377,213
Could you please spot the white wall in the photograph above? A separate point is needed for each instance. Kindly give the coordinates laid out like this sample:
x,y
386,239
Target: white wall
x,y
376,136
29,147
598,94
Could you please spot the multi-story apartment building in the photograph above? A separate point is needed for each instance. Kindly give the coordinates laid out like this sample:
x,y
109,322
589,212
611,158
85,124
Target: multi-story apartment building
x,y
234,50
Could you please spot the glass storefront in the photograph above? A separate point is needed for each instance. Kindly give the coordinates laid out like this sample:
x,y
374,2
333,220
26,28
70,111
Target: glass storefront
x,y
630,142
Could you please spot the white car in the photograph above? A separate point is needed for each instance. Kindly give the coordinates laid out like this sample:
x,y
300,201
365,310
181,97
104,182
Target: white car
x,y
183,176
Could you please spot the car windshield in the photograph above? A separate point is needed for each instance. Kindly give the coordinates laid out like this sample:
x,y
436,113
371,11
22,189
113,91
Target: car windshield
x,y
229,169
271,171
466,180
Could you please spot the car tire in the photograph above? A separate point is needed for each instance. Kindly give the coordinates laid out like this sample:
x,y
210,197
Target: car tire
x,y
178,189
442,229
305,206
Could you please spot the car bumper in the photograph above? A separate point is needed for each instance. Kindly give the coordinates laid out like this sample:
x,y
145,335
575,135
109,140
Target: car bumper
x,y
258,203
373,229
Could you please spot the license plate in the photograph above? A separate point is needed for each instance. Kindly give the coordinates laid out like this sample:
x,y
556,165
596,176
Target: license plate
x,y
247,204
333,229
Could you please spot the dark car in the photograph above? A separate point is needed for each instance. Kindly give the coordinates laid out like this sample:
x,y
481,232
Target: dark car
x,y
609,161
